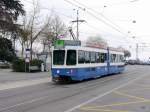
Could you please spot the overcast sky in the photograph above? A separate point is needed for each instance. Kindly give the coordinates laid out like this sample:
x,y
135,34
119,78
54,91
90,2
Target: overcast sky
x,y
114,21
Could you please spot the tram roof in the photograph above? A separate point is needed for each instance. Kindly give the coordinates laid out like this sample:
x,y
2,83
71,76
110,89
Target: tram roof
x,y
84,48
76,45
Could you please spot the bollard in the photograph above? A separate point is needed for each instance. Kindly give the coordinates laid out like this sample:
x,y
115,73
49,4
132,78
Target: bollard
x,y
42,67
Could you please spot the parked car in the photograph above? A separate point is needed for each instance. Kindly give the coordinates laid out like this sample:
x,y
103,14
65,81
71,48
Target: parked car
x,y
131,62
4,64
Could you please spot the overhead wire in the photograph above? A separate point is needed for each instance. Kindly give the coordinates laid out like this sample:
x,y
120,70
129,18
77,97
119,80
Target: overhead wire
x,y
78,6
58,12
99,19
87,12
93,15
98,14
50,9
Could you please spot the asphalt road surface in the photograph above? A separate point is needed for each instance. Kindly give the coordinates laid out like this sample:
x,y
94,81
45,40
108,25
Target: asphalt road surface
x,y
99,95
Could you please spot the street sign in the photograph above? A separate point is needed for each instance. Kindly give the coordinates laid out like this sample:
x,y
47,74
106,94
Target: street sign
x,y
27,60
27,53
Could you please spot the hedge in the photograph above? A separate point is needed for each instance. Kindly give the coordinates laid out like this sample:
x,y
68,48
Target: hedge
x,y
19,65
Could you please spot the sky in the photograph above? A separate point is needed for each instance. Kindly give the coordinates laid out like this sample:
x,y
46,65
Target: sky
x,y
116,21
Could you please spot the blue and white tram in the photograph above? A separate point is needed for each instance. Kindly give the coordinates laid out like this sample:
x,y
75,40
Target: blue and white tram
x,y
79,63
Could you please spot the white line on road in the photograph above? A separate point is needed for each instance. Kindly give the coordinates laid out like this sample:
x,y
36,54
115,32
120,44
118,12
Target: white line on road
x,y
104,94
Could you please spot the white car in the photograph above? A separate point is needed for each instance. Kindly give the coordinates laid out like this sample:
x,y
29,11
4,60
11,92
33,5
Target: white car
x,y
4,64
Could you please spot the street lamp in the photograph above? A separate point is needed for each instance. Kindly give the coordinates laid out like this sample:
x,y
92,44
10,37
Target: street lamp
x,y
103,9
134,0
133,21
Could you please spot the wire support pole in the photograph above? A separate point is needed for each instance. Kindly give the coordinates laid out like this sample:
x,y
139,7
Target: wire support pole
x,y
77,24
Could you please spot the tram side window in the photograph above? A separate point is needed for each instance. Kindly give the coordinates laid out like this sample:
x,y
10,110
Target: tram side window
x,y
87,57
117,58
93,57
81,57
71,57
98,60
113,58
102,57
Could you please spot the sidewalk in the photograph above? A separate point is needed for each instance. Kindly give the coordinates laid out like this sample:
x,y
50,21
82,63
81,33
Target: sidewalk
x,y
23,83
6,75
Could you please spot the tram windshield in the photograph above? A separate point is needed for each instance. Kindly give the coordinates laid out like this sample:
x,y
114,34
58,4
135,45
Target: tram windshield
x,y
71,57
58,57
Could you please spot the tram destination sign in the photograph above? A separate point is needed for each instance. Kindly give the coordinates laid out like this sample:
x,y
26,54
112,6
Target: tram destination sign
x,y
72,43
59,44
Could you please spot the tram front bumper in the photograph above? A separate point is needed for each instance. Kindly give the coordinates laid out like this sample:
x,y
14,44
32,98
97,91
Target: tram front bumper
x,y
63,72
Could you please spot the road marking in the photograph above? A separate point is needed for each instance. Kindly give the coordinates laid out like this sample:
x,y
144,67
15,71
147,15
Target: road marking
x,y
24,83
115,104
104,94
141,89
105,110
130,96
143,85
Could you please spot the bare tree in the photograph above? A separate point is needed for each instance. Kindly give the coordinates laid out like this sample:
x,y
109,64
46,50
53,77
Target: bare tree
x,y
24,34
127,54
32,28
56,29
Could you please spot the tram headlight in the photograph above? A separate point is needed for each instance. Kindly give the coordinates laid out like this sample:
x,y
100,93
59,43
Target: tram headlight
x,y
71,71
58,71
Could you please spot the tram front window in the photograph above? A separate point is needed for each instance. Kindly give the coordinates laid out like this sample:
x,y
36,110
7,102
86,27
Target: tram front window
x,y
71,57
58,57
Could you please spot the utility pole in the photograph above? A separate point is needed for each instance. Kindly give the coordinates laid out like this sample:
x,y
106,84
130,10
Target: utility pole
x,y
77,24
137,51
77,21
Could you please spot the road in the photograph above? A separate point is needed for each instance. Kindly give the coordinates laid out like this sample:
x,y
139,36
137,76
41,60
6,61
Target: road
x,y
87,96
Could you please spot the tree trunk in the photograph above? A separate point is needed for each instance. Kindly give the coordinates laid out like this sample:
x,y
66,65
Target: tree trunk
x,y
22,49
31,53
